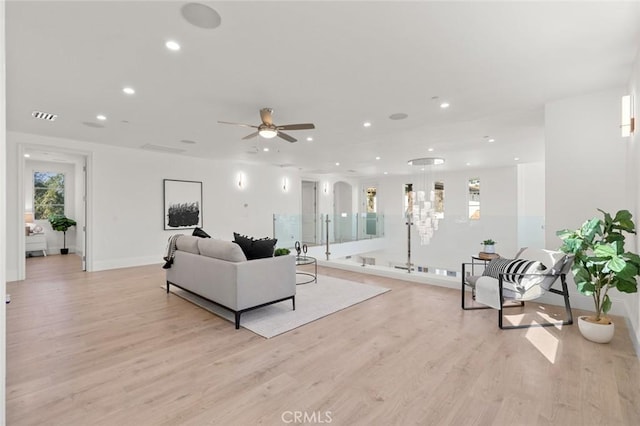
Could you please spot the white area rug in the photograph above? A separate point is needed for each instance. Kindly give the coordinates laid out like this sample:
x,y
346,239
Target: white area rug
x,y
313,301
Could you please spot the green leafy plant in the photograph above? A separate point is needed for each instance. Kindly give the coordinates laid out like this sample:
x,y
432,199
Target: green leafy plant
x,y
61,223
601,262
488,242
281,252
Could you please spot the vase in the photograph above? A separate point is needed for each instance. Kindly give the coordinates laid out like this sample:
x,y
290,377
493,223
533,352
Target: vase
x,y
64,251
598,333
489,248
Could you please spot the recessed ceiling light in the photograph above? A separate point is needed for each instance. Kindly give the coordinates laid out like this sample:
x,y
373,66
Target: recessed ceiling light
x,y
422,169
44,115
386,173
101,117
265,149
337,164
468,164
444,105
377,158
516,158
128,90
491,140
430,149
309,139
367,124
27,155
172,45
398,116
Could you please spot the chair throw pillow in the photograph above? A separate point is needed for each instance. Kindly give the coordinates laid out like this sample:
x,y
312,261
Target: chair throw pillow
x,y
516,271
199,232
255,249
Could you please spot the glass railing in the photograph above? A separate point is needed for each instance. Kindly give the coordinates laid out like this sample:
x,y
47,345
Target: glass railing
x,y
339,228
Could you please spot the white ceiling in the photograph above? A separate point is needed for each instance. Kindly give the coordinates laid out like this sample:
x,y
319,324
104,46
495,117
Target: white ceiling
x,y
336,64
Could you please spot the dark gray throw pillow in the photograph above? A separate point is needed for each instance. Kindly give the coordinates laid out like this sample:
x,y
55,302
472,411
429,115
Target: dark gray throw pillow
x,y
255,249
199,232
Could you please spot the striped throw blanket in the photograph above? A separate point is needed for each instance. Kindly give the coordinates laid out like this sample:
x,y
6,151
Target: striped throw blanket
x,y
170,251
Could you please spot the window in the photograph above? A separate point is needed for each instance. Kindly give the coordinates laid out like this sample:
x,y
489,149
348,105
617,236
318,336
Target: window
x,y
371,200
408,200
474,199
48,194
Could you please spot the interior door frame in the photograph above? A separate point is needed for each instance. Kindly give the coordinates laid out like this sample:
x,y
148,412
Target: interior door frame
x,y
87,228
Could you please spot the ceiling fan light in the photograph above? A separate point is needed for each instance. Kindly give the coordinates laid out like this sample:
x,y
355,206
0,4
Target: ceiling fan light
x,y
268,133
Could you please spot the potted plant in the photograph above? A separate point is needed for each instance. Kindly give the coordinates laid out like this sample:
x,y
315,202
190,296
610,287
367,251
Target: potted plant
x,y
489,246
281,252
62,223
600,264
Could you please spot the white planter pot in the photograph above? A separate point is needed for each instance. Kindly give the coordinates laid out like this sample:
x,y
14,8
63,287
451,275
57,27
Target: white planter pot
x,y
599,333
489,248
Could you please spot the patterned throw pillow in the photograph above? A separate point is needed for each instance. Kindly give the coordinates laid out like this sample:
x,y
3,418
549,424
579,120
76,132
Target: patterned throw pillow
x,y
512,268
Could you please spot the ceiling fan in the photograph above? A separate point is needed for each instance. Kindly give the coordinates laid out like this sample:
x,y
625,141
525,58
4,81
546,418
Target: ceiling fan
x,y
269,130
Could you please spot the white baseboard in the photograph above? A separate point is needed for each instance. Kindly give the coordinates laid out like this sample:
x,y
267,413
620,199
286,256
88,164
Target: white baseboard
x,y
126,262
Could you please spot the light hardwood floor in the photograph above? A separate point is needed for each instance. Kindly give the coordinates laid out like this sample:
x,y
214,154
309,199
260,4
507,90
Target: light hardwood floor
x,y
112,348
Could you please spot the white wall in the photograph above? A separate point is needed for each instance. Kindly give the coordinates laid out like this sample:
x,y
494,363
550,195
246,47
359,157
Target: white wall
x,y
531,205
127,200
633,177
584,169
3,228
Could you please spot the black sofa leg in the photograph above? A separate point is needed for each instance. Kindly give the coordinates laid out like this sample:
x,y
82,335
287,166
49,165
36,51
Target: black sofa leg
x,y
293,299
167,286
238,319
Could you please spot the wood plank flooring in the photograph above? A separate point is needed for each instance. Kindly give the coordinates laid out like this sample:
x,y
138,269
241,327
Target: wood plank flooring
x,y
112,348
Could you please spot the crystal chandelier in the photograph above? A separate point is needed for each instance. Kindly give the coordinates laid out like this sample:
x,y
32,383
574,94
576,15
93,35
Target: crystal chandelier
x,y
421,209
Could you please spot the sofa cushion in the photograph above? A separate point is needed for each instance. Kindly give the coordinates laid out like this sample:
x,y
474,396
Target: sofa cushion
x,y
255,249
199,232
223,250
188,243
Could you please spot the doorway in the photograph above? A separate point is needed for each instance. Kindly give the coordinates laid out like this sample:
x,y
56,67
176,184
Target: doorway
x,y
343,212
65,173
309,212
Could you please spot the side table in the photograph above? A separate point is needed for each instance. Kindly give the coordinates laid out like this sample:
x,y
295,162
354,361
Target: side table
x,y
308,277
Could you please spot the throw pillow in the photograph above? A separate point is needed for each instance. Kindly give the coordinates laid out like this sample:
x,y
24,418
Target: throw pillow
x,y
513,270
255,249
199,232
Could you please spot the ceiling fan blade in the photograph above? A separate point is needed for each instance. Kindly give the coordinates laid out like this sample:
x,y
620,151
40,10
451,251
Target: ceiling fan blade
x,y
265,116
302,126
252,135
286,137
238,124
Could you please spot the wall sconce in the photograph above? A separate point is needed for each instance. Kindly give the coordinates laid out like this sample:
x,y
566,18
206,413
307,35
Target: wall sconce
x,y
627,121
285,184
241,180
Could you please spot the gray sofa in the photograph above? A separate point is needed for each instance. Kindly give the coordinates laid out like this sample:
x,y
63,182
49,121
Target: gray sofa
x,y
218,271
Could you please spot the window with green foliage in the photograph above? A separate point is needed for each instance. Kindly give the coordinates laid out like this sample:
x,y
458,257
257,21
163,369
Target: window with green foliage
x,y
48,194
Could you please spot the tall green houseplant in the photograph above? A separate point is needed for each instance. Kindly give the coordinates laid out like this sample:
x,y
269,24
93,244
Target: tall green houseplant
x,y
62,223
601,262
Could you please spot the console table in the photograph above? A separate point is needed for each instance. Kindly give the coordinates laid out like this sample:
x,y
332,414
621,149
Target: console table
x,y
36,242
309,277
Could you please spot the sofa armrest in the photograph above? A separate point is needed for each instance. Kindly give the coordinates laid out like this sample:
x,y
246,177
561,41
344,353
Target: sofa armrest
x,y
264,280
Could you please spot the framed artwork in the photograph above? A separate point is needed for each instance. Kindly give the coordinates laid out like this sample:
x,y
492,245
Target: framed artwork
x,y
182,204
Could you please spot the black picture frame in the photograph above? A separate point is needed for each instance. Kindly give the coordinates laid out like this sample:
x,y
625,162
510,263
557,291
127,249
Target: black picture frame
x,y
182,204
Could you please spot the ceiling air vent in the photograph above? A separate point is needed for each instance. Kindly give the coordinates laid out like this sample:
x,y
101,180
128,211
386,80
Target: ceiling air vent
x,y
44,115
160,148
